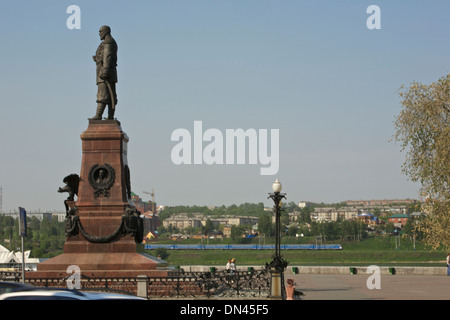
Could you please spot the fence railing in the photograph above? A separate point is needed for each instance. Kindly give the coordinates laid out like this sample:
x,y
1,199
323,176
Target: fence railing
x,y
237,284
179,284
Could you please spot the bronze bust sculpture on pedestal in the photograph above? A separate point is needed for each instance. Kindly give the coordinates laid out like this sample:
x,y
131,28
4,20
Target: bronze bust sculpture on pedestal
x,y
106,60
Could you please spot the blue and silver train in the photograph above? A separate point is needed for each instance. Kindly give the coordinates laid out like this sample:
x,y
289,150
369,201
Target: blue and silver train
x,y
243,246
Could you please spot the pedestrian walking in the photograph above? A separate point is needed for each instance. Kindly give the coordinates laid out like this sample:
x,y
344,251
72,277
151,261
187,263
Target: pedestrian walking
x,y
228,266
233,264
448,264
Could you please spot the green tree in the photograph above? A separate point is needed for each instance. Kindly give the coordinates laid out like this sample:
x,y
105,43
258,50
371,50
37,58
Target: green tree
x,y
162,253
423,131
34,223
292,231
305,214
409,228
265,225
291,206
284,218
389,228
208,227
235,233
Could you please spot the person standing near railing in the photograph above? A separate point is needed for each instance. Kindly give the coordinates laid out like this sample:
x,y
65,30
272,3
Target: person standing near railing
x,y
448,264
233,266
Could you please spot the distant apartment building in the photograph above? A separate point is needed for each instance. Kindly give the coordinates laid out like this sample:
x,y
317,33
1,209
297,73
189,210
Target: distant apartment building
x,y
383,202
61,216
303,204
386,208
227,231
151,221
322,214
345,213
399,220
146,209
332,214
183,221
293,216
241,220
142,206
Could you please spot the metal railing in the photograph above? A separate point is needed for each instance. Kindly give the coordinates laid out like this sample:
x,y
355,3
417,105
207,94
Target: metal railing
x,y
237,284
179,284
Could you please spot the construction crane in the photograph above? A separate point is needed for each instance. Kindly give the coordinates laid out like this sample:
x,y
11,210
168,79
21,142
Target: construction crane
x,y
153,199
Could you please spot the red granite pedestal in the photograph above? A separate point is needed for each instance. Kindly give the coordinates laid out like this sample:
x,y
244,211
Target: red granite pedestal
x,y
100,210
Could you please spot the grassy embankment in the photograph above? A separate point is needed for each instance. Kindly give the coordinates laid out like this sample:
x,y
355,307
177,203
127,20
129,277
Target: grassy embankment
x,y
380,251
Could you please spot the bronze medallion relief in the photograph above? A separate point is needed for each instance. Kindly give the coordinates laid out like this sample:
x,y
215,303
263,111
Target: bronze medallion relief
x,y
101,178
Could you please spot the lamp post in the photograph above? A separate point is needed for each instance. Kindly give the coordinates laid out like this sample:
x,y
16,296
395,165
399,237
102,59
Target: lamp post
x,y
277,265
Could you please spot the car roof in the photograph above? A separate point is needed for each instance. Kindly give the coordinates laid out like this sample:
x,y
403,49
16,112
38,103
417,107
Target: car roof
x,y
43,295
109,296
64,294
10,286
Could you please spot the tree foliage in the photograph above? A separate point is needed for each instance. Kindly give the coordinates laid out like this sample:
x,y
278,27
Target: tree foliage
x,y
44,238
265,225
245,209
423,131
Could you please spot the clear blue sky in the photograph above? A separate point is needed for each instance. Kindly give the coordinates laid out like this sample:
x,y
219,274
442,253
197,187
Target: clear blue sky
x,y
311,69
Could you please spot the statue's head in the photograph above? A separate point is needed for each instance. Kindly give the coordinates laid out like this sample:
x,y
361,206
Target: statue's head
x,y
101,173
104,30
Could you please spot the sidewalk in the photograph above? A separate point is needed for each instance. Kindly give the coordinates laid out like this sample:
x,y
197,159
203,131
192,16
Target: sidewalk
x,y
354,287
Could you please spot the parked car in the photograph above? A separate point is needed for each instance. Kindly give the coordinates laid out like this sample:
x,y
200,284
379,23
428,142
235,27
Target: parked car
x,y
109,296
11,286
43,295
63,294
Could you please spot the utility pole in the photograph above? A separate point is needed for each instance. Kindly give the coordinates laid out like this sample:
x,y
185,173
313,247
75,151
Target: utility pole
x,y
1,200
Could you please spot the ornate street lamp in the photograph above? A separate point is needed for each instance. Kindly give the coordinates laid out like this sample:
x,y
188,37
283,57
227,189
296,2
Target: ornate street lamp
x,y
277,265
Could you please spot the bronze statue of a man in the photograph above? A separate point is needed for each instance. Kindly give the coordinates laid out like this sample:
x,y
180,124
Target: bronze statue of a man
x,y
106,60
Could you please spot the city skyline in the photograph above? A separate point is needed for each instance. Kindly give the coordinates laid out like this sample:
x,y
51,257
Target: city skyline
x,y
347,203
313,71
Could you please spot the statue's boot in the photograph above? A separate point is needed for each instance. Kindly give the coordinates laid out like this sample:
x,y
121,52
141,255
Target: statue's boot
x,y
110,114
98,115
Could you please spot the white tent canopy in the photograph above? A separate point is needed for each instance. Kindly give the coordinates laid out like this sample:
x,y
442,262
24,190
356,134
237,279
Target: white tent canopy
x,y
11,260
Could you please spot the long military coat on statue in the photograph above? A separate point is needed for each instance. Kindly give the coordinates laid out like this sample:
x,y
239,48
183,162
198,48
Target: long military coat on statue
x,y
106,60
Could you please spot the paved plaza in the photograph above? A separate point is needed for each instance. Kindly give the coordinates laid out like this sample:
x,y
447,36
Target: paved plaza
x,y
354,287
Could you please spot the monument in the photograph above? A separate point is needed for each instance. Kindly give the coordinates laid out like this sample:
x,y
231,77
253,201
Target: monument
x,y
103,227
106,61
